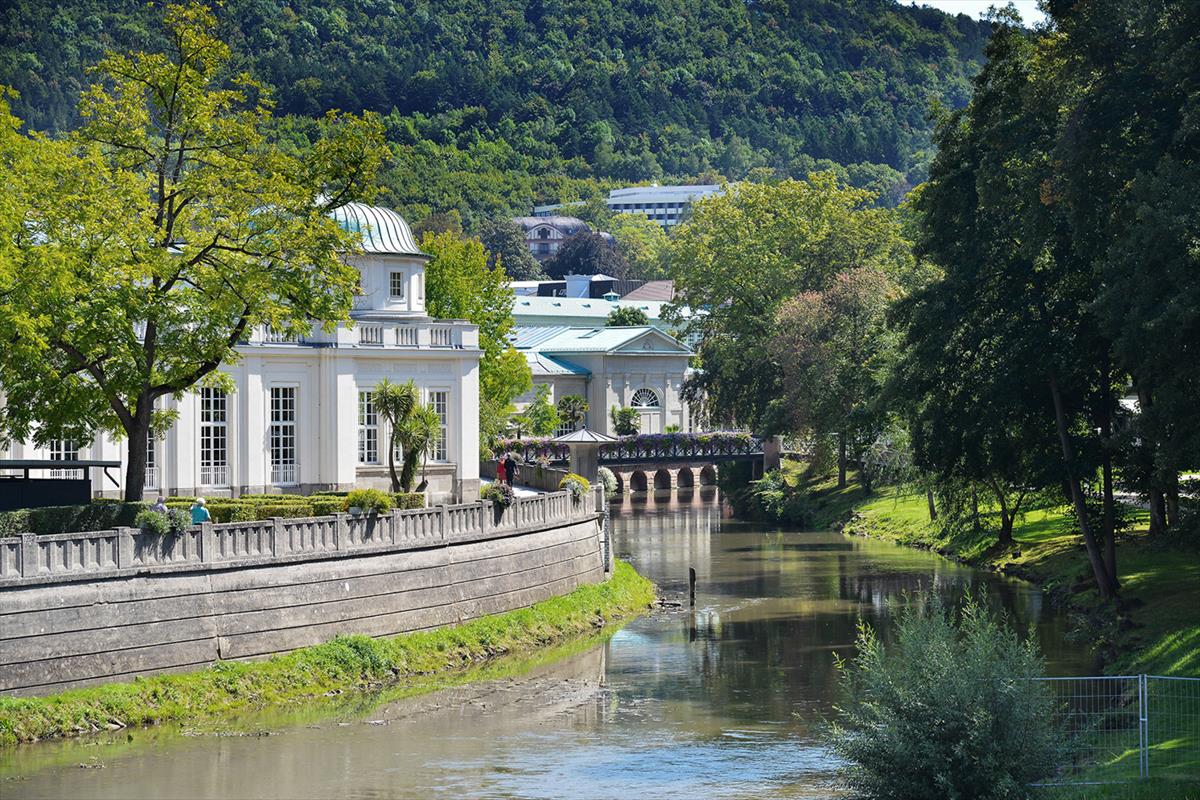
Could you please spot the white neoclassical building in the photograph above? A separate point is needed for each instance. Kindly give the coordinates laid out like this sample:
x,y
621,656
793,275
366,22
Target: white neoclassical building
x,y
627,367
301,417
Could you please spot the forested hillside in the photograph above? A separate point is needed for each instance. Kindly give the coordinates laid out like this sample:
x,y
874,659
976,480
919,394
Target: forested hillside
x,y
492,105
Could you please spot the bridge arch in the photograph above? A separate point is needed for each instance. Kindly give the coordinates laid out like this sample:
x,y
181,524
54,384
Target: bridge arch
x,y
662,479
685,478
620,482
708,475
637,481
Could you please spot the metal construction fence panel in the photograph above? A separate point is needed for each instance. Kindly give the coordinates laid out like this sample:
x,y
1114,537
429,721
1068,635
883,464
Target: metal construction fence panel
x,y
1125,728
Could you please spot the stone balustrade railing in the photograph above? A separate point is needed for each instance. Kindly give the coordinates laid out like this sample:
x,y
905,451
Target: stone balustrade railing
x,y
32,559
439,334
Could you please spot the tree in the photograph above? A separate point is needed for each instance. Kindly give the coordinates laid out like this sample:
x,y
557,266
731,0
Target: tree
x,y
572,410
996,731
833,347
624,420
396,404
1126,174
744,253
587,253
460,284
626,316
643,243
142,248
420,434
505,243
540,417
1009,332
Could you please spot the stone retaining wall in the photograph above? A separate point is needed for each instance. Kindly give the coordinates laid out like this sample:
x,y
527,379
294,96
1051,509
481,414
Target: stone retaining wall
x,y
84,608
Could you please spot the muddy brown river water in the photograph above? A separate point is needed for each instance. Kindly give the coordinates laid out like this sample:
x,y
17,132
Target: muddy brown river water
x,y
723,701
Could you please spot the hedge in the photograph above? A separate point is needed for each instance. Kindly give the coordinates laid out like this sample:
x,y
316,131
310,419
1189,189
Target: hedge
x,y
69,519
104,514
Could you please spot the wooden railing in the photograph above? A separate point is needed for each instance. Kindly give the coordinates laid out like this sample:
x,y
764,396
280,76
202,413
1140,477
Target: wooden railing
x,y
31,559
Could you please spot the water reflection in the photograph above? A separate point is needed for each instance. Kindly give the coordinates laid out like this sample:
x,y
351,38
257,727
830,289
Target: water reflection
x,y
723,700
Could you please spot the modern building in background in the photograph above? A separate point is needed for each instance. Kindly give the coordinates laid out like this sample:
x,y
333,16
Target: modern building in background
x,y
666,205
301,416
633,367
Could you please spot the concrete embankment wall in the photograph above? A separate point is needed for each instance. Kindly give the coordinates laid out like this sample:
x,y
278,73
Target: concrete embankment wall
x,y
110,605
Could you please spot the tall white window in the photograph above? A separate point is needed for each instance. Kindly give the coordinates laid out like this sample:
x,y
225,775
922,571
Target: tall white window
x,y
440,402
396,283
65,450
368,429
283,434
151,461
214,438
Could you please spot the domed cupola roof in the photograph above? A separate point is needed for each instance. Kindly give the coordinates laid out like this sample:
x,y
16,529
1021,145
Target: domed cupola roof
x,y
383,230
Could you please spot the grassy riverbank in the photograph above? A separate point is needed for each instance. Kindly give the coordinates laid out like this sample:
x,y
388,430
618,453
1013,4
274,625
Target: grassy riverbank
x,y
345,664
1155,630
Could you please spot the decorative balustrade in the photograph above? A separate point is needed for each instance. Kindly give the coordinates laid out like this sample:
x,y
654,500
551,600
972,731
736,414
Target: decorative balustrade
x,y
441,336
31,559
407,336
646,447
370,333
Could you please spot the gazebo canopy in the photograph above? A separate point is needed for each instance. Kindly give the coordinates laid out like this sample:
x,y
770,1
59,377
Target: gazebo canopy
x,y
583,436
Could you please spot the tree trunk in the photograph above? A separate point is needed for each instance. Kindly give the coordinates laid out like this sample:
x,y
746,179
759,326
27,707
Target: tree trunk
x,y
1006,516
1172,501
841,461
1158,510
392,461
1105,582
932,505
138,433
412,457
1110,512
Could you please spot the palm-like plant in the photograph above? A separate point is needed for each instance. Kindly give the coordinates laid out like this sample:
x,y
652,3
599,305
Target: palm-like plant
x,y
420,434
396,403
572,409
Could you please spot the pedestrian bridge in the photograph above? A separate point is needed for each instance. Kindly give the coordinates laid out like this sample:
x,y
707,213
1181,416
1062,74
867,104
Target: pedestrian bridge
x,y
665,461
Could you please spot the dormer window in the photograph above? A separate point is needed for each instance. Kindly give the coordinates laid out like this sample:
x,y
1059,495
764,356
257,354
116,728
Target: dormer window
x,y
543,233
396,284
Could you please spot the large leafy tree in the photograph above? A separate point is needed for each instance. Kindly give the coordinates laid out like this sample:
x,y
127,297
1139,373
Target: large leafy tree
x,y
587,253
744,253
643,243
505,243
142,248
834,347
460,284
1013,311
1129,165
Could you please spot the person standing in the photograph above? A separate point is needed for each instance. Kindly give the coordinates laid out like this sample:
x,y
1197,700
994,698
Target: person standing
x,y
500,469
160,505
510,468
199,512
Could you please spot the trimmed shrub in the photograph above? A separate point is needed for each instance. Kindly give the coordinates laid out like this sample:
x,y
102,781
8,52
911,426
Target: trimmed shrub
x,y
324,506
499,493
286,510
950,709
369,500
230,511
577,485
608,480
70,519
173,521
403,500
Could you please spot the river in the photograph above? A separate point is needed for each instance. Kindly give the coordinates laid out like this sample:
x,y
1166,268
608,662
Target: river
x,y
722,701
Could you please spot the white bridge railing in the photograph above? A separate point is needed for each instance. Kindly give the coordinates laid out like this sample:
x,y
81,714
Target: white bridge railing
x,y
32,559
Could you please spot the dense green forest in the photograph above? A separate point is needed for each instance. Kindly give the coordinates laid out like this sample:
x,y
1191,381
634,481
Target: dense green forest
x,y
492,106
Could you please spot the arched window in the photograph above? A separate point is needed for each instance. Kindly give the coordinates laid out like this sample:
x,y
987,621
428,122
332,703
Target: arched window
x,y
644,398
543,233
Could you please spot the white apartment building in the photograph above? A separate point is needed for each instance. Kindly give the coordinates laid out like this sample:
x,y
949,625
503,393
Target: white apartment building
x,y
301,417
666,205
